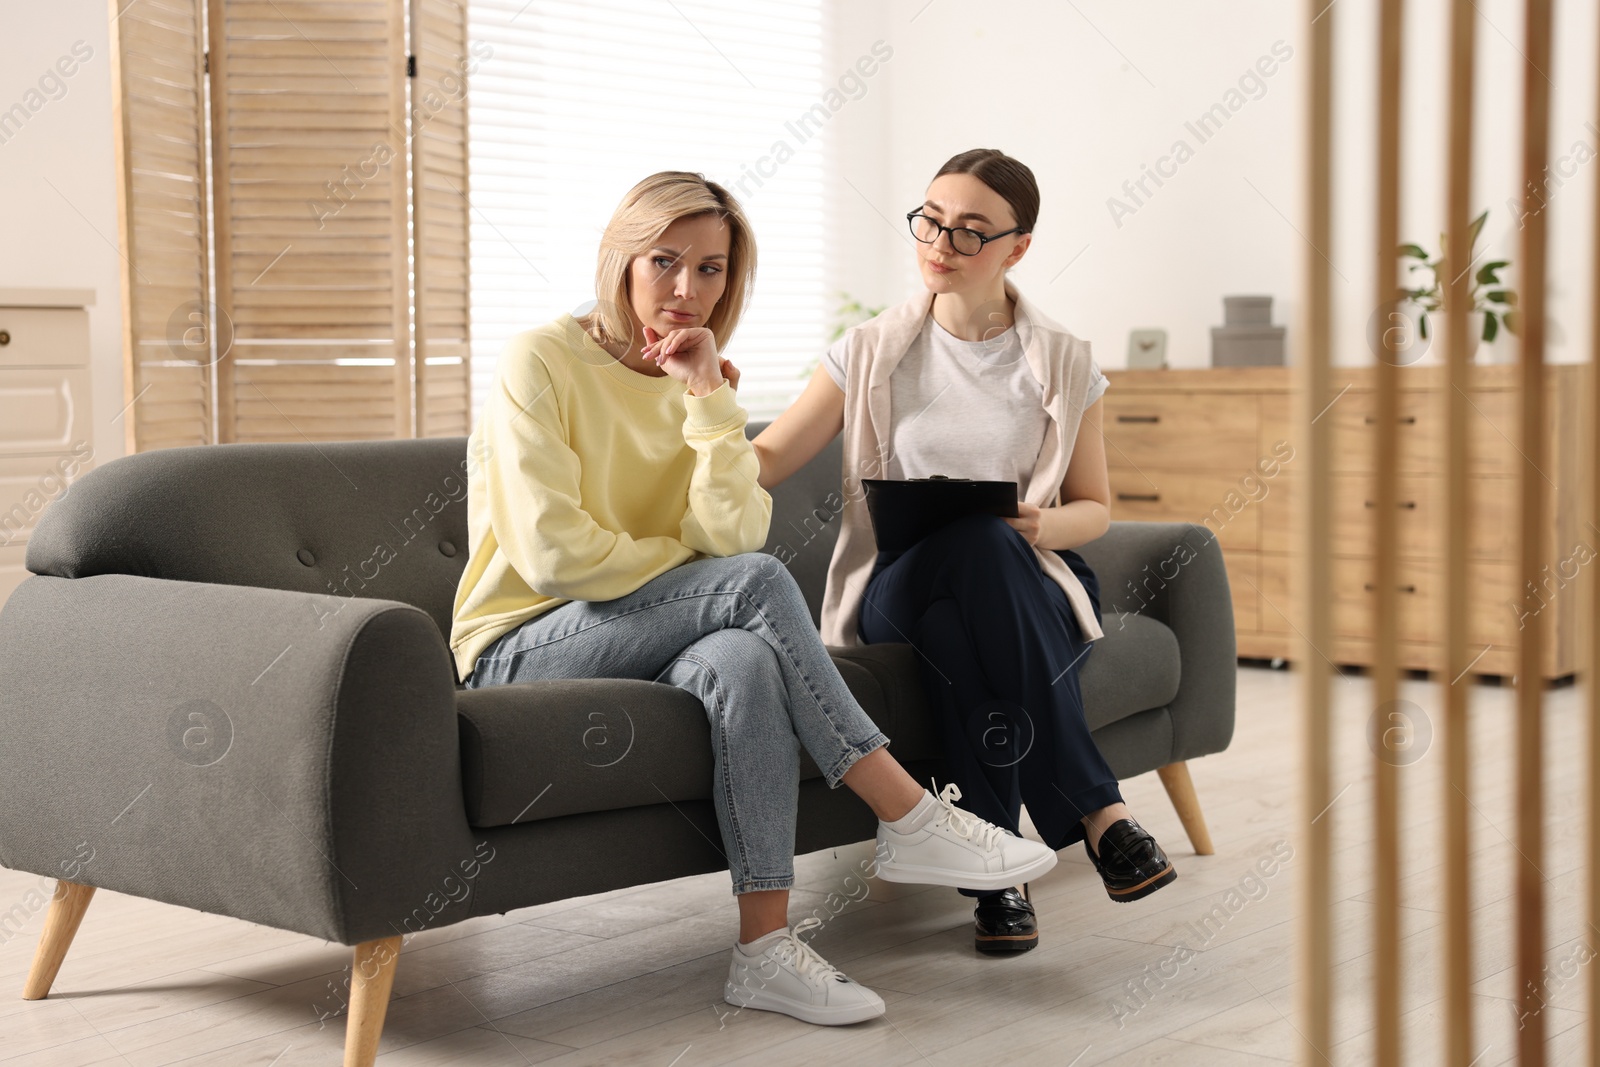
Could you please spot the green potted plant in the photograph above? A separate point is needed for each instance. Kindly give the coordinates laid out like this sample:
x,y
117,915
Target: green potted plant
x,y
1490,298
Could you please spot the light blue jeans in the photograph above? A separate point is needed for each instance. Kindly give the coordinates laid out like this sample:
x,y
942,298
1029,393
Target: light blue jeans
x,y
736,632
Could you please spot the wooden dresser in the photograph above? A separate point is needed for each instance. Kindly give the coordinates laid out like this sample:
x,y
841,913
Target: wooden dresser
x,y
1215,446
46,426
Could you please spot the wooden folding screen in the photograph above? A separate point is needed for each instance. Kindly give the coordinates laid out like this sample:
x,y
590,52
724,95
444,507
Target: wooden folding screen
x,y
439,169
318,151
308,131
158,71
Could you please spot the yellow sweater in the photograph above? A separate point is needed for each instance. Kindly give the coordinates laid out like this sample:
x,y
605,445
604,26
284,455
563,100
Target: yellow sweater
x,y
587,479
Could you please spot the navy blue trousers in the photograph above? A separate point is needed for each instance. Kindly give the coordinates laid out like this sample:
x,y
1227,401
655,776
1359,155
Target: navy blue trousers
x,y
999,651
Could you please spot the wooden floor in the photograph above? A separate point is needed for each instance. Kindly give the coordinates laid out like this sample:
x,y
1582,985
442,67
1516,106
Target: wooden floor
x,y
1200,973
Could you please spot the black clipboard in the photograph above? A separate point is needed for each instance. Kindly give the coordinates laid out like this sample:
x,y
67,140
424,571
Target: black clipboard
x,y
905,511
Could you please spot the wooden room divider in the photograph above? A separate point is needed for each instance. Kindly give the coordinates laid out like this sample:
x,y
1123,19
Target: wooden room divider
x,y
1313,380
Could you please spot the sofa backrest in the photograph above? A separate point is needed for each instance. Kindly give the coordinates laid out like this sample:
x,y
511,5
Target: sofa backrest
x,y
806,511
384,519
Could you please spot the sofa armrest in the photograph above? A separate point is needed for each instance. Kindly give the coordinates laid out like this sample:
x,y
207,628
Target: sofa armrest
x,y
1173,572
279,757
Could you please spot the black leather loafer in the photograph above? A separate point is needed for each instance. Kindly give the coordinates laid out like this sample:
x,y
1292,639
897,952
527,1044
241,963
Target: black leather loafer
x,y
1004,922
1131,864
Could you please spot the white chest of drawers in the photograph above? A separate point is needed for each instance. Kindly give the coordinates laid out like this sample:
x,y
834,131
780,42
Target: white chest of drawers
x,y
46,421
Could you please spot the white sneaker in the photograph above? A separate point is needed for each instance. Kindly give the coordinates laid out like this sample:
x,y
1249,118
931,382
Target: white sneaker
x,y
956,848
791,978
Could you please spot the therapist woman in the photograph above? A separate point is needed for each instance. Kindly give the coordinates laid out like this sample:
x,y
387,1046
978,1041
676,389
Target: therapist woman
x,y
969,380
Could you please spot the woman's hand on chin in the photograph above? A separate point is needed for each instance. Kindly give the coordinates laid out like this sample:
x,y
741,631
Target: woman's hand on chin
x,y
689,355
1026,522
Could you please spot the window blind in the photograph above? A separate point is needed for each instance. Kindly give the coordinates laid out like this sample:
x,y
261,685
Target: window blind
x,y
580,100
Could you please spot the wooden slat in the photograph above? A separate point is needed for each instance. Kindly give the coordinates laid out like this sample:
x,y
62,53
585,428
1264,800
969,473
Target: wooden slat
x,y
1387,291
405,386
314,363
1591,608
1588,631
220,59
1530,683
306,10
1458,507
1313,597
439,214
157,56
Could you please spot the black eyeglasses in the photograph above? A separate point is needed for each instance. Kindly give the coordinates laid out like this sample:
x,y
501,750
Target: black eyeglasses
x,y
966,241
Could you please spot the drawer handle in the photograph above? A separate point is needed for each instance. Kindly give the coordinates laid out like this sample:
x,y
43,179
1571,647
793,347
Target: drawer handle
x,y
1404,420
1369,587
5,337
1409,505
1138,418
1150,497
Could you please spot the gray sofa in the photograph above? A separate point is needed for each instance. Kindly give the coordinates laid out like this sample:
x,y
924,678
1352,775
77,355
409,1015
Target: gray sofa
x,y
226,686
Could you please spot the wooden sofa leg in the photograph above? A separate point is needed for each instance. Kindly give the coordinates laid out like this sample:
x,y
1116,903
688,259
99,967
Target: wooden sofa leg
x,y
67,906
371,979
1180,788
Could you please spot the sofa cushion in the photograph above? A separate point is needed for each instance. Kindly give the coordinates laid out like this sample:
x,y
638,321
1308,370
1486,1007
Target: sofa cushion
x,y
1135,667
806,516
538,750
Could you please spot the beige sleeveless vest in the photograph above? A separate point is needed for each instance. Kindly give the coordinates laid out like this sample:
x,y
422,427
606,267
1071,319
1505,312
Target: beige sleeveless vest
x,y
1059,360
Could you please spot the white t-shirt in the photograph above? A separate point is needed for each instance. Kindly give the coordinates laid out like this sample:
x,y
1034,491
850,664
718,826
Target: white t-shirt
x,y
964,409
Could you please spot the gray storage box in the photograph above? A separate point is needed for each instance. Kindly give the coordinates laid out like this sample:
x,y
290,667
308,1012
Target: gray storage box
x,y
1247,346
1247,310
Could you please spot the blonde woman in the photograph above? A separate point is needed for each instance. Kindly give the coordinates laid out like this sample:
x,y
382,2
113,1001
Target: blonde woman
x,y
615,521
969,379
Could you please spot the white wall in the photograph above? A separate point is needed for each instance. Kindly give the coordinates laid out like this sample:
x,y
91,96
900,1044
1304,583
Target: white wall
x,y
58,207
859,166
1087,94
1497,163
1085,99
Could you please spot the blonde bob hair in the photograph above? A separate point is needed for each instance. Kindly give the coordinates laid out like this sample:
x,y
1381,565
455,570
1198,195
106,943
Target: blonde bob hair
x,y
638,223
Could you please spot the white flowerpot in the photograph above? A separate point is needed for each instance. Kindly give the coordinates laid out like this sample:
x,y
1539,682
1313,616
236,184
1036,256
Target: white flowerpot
x,y
1438,336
